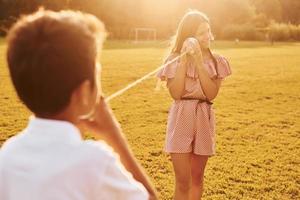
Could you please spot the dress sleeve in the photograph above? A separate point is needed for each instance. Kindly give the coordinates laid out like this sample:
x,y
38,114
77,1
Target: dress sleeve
x,y
222,69
167,71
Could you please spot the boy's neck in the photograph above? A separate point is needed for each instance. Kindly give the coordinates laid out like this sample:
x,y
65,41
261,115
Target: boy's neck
x,y
62,116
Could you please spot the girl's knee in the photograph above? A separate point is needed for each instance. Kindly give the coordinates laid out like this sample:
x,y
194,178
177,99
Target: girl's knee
x,y
197,176
184,187
183,184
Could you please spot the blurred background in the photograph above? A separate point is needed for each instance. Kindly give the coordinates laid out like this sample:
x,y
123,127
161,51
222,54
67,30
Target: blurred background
x,y
274,20
257,109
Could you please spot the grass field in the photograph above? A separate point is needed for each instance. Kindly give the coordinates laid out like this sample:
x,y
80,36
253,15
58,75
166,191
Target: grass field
x,y
258,117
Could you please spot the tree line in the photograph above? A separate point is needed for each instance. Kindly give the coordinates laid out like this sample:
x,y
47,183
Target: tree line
x,y
243,19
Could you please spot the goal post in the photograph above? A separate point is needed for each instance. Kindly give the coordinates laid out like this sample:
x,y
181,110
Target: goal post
x,y
144,34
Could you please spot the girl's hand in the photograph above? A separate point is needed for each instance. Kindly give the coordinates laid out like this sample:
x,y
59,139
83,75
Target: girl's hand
x,y
192,46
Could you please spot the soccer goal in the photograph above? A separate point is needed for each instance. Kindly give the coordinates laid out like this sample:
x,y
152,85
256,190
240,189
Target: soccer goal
x,y
144,34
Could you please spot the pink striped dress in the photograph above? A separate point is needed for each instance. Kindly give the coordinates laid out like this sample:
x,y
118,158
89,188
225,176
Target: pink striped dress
x,y
191,123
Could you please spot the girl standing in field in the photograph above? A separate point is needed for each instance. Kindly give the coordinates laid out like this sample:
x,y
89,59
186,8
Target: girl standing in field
x,y
193,82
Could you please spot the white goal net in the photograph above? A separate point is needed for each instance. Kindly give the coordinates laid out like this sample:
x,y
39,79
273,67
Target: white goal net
x,y
144,34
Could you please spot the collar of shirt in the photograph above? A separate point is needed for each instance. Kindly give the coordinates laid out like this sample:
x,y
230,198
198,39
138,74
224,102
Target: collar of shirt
x,y
63,130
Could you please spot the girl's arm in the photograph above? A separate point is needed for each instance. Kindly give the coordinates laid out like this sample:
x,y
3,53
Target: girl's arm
x,y
176,84
209,86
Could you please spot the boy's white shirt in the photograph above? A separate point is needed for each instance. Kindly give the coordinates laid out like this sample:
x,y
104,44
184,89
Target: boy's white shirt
x,y
50,161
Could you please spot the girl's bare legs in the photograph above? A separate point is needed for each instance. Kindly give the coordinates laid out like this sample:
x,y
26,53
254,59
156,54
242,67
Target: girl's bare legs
x,y
198,164
182,168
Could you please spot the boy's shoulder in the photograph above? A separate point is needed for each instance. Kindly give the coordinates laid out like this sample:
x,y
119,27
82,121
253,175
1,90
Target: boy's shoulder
x,y
90,151
98,151
11,142
100,158
98,147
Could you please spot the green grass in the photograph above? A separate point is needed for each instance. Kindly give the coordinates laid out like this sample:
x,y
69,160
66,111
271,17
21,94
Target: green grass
x,y
258,133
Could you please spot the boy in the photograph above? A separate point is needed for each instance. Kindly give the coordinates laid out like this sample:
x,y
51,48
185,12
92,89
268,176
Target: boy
x,y
52,60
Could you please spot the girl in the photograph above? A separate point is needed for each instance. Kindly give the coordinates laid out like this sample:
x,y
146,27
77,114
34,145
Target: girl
x,y
193,82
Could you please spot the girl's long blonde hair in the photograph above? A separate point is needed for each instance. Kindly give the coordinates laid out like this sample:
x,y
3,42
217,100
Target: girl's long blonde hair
x,y
188,27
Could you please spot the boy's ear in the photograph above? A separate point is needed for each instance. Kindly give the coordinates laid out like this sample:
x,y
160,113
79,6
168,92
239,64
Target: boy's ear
x,y
82,94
